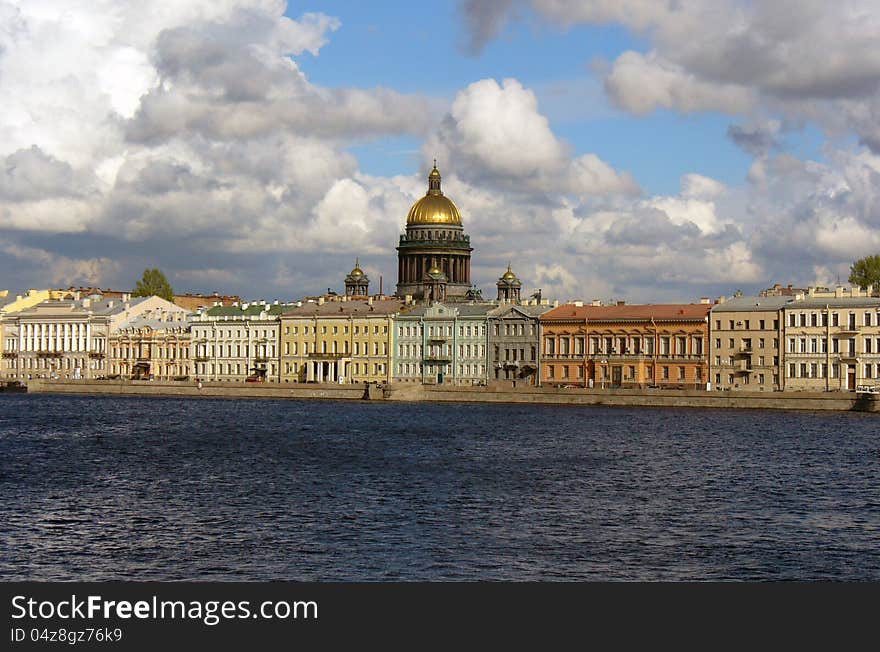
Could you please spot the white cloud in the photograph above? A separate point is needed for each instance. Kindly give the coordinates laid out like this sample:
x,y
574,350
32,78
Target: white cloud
x,y
495,134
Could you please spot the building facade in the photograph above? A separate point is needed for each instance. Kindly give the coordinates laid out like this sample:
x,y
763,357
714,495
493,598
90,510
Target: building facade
x,y
339,341
434,243
514,344
744,344
652,345
152,346
442,344
832,342
237,343
67,338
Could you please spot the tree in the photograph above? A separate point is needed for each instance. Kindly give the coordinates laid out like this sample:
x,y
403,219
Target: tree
x,y
865,272
153,282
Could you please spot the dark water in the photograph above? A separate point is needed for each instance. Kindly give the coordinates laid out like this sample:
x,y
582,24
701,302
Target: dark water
x,y
256,490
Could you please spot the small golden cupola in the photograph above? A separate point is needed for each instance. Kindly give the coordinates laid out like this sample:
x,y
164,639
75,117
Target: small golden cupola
x,y
357,284
509,286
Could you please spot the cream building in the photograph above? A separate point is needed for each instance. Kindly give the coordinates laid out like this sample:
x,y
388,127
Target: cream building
x,y
745,334
237,343
832,341
67,338
341,340
154,345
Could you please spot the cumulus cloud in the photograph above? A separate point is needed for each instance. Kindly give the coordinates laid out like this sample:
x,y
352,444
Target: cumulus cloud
x,y
640,84
496,134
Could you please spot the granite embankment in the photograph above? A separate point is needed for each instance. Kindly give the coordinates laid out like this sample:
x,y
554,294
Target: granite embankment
x,y
830,401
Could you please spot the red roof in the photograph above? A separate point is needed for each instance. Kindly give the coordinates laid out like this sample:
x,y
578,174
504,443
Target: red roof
x,y
635,312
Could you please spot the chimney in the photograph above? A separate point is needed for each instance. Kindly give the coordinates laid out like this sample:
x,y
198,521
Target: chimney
x,y
838,291
320,301
555,303
621,303
704,301
408,299
110,304
578,304
720,300
380,284
370,300
126,296
596,302
86,303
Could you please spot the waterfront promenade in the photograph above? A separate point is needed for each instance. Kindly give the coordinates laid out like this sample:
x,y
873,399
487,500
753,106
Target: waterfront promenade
x,y
822,401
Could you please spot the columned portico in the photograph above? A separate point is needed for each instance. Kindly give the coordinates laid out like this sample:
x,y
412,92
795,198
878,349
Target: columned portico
x,y
328,370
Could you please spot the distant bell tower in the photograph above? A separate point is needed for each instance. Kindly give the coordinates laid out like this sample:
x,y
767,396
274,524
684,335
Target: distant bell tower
x,y
357,284
509,286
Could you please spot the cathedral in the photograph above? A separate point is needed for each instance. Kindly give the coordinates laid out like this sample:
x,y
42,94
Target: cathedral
x,y
434,255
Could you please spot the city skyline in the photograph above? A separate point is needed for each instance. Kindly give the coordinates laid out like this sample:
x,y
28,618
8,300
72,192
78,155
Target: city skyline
x,y
627,150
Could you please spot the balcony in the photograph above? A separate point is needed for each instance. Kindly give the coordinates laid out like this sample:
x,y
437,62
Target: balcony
x,y
437,339
49,354
319,356
97,355
851,329
746,350
201,358
10,354
439,358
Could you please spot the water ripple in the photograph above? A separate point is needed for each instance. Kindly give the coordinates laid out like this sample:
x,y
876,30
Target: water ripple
x,y
172,489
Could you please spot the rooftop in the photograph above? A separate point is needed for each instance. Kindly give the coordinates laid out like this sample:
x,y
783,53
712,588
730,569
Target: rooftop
x,y
635,312
352,307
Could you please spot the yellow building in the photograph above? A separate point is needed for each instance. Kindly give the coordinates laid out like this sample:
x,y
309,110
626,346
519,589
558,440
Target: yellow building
x,y
338,341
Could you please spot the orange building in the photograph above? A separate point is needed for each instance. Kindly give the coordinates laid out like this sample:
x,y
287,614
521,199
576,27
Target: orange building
x,y
652,345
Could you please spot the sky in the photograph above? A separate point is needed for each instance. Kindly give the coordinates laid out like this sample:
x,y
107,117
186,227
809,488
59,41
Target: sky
x,y
644,150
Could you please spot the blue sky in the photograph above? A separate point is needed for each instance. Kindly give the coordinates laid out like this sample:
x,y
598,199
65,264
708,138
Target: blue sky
x,y
420,48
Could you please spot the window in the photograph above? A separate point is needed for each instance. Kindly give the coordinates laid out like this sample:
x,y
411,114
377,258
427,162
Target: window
x,y
717,342
747,325
761,326
665,371
681,373
718,324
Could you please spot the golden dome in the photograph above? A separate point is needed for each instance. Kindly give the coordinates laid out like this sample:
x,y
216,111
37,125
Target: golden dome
x,y
357,271
509,275
434,207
